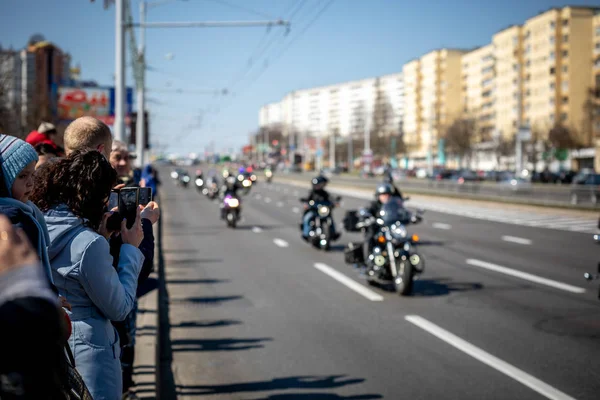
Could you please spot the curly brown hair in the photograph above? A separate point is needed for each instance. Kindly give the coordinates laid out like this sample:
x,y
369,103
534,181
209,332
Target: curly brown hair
x,y
82,181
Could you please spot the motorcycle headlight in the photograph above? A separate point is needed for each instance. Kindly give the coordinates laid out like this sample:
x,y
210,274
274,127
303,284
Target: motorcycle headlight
x,y
186,178
379,261
323,211
233,203
268,174
398,231
407,246
246,183
199,182
240,178
253,178
174,175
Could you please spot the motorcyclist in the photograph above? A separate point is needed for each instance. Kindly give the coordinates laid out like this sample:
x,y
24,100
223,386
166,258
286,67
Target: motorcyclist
x,y
229,188
389,179
318,194
383,194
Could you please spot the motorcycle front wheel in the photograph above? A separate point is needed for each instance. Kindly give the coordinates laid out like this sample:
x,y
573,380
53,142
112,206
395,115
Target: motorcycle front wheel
x,y
404,281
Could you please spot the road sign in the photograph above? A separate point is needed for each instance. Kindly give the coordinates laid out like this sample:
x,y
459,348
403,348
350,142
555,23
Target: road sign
x,y
524,134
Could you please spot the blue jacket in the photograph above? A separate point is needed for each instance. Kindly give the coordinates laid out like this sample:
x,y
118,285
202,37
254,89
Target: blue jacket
x,y
83,273
29,218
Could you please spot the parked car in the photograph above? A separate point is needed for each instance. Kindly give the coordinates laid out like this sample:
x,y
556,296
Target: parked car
x,y
588,189
463,176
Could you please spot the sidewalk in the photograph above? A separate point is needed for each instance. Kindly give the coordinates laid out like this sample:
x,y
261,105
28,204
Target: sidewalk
x,y
145,365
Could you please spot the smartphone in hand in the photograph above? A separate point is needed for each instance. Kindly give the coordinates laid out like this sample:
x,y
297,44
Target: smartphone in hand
x,y
128,204
144,196
113,224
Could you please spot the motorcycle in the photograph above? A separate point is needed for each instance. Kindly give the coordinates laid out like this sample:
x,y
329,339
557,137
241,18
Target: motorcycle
x,y
321,235
592,277
184,179
269,175
230,210
246,182
393,256
199,182
211,188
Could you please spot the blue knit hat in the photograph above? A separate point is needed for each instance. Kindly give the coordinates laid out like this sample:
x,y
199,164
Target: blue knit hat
x,y
15,154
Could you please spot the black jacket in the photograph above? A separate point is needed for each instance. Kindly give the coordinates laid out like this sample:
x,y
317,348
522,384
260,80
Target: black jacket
x,y
146,247
319,196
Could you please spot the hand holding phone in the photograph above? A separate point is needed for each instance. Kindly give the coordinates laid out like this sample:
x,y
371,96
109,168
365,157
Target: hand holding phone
x,y
134,234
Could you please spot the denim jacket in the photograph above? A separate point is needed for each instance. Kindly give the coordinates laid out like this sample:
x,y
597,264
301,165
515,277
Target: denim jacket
x,y
98,293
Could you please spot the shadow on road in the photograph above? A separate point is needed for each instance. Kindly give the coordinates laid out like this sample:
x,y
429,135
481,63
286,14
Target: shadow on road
x,y
320,396
196,281
292,382
148,286
207,324
207,300
191,262
228,344
442,287
263,227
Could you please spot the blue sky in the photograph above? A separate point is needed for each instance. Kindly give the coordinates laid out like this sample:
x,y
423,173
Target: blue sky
x,y
352,39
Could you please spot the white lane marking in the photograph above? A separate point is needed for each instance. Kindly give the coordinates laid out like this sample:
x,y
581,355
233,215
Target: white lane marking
x,y
280,242
439,225
524,275
257,197
507,369
352,284
257,229
516,239
280,204
267,200
295,210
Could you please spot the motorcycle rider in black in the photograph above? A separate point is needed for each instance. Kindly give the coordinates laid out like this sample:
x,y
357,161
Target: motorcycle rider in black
x,y
318,194
230,187
383,194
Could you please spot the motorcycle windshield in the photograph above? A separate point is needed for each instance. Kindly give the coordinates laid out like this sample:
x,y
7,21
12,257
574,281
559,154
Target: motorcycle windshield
x,y
393,212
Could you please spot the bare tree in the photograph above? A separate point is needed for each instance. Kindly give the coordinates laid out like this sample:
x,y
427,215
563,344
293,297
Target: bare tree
x,y
504,147
460,136
591,119
561,137
382,115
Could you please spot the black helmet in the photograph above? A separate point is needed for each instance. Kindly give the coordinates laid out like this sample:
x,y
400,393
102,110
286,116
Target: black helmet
x,y
319,180
384,188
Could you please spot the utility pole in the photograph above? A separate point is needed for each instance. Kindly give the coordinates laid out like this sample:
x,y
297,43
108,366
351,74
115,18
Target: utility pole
x,y
332,150
350,152
141,93
140,65
431,138
119,70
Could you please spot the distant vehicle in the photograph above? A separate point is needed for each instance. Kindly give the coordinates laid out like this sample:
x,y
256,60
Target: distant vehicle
x,y
587,189
421,173
443,174
515,184
463,176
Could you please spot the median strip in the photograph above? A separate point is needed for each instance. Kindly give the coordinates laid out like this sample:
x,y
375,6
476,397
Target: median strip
x,y
502,366
526,276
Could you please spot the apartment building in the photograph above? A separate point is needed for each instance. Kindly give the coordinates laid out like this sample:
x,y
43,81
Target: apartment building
x,y
479,90
508,58
342,109
432,100
557,49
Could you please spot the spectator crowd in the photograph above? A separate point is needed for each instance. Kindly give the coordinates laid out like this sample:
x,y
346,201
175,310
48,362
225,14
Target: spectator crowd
x,y
69,279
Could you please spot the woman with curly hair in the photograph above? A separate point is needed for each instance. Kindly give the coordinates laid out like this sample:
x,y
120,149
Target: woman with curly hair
x,y
73,193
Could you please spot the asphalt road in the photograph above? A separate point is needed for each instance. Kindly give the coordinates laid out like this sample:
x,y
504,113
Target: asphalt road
x,y
501,312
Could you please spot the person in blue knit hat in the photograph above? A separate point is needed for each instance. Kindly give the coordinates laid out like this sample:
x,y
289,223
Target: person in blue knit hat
x,y
18,159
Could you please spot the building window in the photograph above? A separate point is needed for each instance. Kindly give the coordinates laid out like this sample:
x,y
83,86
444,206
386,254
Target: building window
x,y
565,53
598,31
565,68
565,38
552,86
565,85
552,70
552,117
563,117
551,101
527,49
551,39
516,40
552,24
552,56
565,100
565,22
